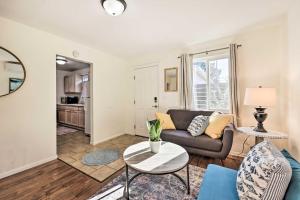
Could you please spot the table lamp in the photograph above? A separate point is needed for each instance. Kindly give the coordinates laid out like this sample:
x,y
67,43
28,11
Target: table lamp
x,y
260,98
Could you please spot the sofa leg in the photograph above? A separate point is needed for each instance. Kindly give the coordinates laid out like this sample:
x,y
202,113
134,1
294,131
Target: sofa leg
x,y
222,163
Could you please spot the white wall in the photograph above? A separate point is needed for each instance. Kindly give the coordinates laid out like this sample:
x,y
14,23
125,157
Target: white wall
x,y
28,117
293,97
260,62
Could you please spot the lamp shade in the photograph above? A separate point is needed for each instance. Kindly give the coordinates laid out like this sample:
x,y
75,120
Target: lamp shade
x,y
264,97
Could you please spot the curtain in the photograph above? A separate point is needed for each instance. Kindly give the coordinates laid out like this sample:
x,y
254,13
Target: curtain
x,y
185,81
233,84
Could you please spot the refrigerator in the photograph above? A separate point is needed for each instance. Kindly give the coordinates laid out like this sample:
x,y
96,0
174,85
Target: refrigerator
x,y
86,100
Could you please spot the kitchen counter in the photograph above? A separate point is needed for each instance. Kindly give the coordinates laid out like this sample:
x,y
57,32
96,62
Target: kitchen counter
x,y
78,105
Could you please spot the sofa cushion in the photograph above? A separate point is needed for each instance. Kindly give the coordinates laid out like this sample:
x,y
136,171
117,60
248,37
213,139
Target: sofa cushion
x,y
293,192
264,173
184,138
218,184
198,125
183,118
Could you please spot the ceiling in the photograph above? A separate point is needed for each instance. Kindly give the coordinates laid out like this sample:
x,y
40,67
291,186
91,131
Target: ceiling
x,y
147,26
72,65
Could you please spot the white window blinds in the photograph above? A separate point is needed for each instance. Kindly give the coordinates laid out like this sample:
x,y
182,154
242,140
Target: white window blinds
x,y
211,83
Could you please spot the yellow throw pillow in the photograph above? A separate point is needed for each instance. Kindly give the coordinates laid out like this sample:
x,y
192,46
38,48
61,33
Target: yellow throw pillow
x,y
165,120
217,124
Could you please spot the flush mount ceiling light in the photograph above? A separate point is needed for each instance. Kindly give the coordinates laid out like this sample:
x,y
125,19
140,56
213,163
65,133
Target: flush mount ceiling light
x,y
114,7
61,60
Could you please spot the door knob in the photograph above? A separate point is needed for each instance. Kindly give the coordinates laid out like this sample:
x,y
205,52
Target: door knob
x,y
156,106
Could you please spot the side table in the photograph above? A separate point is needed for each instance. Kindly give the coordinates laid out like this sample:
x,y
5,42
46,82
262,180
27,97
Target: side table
x,y
260,136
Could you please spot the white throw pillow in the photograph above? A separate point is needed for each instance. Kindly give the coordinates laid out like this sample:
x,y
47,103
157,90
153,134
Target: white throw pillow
x,y
198,125
264,174
214,115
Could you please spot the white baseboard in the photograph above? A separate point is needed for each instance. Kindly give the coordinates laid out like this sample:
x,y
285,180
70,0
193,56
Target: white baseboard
x,y
108,138
27,166
129,133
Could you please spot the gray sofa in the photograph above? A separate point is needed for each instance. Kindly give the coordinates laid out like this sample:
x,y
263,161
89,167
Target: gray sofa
x,y
200,145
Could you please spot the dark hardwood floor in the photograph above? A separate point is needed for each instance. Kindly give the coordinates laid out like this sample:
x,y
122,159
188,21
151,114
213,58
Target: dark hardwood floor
x,y
59,181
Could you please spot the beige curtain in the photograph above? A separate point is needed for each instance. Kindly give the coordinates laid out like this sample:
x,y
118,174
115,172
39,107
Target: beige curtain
x,y
233,84
185,81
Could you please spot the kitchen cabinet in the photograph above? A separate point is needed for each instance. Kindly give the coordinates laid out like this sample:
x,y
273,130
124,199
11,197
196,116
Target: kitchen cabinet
x,y
71,115
68,117
72,83
74,118
61,116
81,119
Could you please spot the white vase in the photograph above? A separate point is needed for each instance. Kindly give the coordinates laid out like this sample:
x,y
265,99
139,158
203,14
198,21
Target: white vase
x,y
155,146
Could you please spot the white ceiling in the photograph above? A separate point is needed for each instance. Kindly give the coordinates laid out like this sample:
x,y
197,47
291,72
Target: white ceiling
x,y
72,65
147,26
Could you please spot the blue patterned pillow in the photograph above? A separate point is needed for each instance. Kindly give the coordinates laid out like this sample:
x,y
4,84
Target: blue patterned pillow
x,y
264,174
198,125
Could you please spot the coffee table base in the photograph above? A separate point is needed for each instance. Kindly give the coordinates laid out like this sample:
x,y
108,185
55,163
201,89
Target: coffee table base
x,y
128,181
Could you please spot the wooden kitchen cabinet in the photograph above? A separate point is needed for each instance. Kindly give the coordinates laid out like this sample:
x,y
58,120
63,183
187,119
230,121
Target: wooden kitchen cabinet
x,y
81,119
74,118
72,83
71,116
61,116
68,117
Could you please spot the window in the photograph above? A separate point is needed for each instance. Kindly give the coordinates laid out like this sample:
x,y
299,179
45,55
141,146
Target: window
x,y
85,78
211,83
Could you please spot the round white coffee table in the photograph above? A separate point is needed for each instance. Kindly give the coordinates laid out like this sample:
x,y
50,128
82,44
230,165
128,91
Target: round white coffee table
x,y
170,159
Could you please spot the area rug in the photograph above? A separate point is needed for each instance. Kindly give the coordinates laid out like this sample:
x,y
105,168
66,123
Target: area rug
x,y
153,187
101,157
61,130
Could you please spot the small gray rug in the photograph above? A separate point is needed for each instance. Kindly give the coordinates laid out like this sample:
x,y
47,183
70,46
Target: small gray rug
x,y
100,157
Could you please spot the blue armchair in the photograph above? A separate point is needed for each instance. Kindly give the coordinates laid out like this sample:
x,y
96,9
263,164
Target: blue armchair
x,y
219,183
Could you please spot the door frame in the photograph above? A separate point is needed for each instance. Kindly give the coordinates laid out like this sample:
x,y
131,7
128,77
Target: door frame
x,y
91,95
139,67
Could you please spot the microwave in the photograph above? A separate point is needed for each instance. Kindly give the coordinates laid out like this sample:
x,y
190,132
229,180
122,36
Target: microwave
x,y
70,100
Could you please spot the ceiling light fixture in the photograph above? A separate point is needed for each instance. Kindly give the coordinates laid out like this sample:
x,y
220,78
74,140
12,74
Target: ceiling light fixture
x,y
61,60
114,7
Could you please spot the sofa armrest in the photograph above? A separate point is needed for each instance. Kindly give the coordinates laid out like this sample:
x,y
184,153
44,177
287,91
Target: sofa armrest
x,y
227,141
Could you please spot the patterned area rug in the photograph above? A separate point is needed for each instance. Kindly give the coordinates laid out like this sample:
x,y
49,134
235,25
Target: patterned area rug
x,y
153,187
61,130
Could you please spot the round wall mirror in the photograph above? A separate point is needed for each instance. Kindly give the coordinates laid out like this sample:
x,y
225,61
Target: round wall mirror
x,y
12,72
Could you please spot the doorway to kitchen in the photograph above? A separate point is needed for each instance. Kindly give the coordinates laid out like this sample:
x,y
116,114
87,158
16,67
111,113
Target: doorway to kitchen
x,y
73,107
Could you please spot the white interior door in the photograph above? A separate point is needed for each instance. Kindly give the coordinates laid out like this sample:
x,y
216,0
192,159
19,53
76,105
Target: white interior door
x,y
146,97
